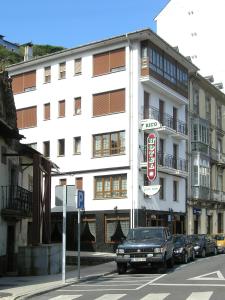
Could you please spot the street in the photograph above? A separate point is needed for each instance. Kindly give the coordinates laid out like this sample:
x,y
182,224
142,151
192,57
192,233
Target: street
x,y
203,279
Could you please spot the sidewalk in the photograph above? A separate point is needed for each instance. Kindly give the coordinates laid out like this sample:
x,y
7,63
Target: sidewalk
x,y
24,287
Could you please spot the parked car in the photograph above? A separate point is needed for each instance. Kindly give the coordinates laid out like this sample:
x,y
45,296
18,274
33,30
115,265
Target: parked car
x,y
220,242
183,249
145,246
204,245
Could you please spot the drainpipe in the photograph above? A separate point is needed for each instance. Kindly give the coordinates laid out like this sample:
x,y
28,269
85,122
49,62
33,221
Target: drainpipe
x,y
130,95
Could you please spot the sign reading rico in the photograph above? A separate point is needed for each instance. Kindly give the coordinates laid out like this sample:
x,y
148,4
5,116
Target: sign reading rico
x,y
152,156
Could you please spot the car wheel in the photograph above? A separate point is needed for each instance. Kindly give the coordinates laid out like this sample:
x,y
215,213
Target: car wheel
x,y
203,254
121,268
185,258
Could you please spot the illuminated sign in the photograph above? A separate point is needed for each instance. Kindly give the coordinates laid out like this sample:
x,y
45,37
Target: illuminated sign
x,y
151,156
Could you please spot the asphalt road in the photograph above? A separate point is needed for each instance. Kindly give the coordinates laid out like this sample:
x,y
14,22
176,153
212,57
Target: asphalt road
x,y
203,279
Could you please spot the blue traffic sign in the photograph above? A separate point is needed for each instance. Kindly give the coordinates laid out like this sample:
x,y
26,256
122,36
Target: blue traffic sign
x,y
80,199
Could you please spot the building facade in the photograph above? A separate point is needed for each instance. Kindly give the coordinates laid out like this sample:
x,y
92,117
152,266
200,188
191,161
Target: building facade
x,y
85,107
196,27
206,200
8,45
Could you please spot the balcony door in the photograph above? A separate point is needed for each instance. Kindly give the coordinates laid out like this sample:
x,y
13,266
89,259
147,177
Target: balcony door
x,y
174,118
10,248
161,112
146,105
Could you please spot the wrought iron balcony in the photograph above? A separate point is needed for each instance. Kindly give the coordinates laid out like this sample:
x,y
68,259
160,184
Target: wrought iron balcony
x,y
166,120
167,160
15,201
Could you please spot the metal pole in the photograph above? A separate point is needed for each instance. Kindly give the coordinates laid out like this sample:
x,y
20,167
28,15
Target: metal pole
x,y
64,237
78,244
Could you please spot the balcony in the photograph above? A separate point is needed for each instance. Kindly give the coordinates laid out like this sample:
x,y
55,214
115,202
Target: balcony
x,y
200,147
16,202
217,157
167,163
201,192
169,125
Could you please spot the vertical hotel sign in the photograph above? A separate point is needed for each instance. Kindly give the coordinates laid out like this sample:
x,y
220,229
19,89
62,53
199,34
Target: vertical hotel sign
x,y
152,156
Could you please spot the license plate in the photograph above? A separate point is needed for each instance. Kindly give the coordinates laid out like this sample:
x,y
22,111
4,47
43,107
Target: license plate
x,y
137,259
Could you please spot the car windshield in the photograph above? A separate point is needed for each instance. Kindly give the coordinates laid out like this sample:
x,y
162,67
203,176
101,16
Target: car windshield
x,y
144,234
220,238
178,240
196,238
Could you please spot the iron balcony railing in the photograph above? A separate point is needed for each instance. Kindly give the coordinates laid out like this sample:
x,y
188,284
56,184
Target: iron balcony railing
x,y
16,198
166,120
168,160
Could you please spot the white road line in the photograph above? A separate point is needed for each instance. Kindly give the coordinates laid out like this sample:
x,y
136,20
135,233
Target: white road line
x,y
151,281
200,296
188,284
66,297
106,284
160,296
110,297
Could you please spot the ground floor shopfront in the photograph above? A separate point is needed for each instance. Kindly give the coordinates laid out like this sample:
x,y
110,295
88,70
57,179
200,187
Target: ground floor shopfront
x,y
103,230
205,218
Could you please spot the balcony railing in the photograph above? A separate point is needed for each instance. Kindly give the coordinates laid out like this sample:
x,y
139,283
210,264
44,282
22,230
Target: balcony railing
x,y
168,160
200,147
201,192
17,199
166,120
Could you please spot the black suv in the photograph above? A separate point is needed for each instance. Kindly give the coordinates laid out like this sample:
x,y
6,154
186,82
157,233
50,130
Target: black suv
x,y
183,249
204,245
145,246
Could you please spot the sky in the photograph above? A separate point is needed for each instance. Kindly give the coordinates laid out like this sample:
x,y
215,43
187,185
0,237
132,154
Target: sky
x,y
70,23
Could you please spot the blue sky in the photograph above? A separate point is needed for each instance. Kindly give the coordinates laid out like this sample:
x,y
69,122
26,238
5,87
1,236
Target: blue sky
x,y
71,23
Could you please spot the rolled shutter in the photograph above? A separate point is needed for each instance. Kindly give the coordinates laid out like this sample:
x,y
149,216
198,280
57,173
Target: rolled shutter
x,y
47,111
101,63
101,104
117,101
17,83
62,108
79,183
117,58
29,80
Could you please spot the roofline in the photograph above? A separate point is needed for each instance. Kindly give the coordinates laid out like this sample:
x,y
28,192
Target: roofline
x,y
155,19
142,34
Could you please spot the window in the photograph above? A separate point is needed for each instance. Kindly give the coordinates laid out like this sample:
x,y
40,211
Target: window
x,y
219,117
207,107
111,224
62,181
47,111
27,117
79,183
175,191
109,61
47,74
146,105
161,190
91,223
156,61
46,148
77,145
196,100
62,70
77,106
109,102
61,147
62,109
112,186
109,144
77,66
220,180
170,69
24,82
204,175
195,175
219,146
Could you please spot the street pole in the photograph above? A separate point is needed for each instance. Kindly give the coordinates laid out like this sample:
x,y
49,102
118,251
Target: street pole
x,y
78,244
64,237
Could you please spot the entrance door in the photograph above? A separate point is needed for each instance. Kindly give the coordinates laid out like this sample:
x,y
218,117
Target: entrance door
x,y
10,248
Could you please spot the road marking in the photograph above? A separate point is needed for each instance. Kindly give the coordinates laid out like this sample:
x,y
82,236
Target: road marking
x,y
188,284
66,297
204,276
110,297
200,295
160,296
150,282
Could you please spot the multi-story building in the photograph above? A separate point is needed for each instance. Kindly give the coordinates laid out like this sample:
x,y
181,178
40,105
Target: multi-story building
x,y
196,27
84,108
206,199
9,45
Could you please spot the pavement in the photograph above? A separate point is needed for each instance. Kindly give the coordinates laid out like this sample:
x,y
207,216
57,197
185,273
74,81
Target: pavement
x,y
26,287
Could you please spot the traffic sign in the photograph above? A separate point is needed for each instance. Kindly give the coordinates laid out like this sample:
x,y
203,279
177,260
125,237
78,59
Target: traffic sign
x,y
80,199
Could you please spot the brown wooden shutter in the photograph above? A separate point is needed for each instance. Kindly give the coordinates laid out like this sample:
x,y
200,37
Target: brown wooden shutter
x,y
62,108
17,83
47,111
101,104
77,66
101,63
79,183
117,58
29,80
19,118
117,101
77,105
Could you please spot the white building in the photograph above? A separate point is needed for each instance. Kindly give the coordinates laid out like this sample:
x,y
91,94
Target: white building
x,y
197,28
83,108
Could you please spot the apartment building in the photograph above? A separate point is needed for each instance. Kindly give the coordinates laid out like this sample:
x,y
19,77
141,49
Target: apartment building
x,y
196,28
85,107
206,200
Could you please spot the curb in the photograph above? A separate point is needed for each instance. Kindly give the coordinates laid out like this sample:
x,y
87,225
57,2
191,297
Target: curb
x,y
61,285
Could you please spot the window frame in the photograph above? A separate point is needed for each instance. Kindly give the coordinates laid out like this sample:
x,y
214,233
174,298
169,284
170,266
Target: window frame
x,y
61,151
107,190
76,141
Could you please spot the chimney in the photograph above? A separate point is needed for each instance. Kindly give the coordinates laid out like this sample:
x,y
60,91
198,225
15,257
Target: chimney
x,y
28,51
